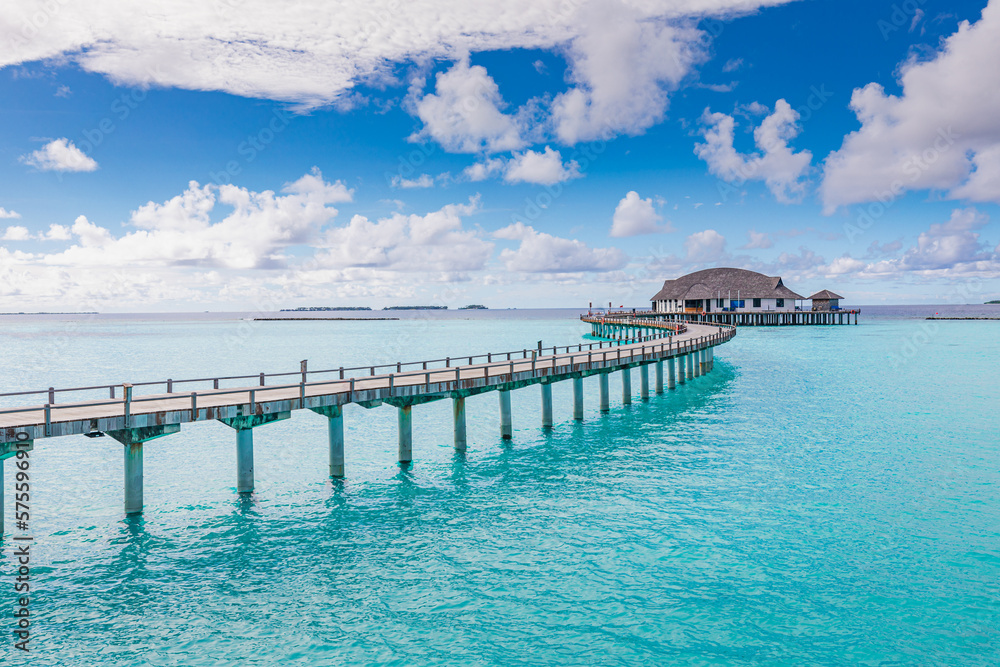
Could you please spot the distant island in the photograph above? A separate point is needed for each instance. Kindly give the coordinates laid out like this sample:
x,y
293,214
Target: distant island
x,y
301,309
995,302
415,308
85,312
474,306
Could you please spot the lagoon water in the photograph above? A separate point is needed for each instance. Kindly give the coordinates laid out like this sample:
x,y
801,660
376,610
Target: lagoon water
x,y
826,496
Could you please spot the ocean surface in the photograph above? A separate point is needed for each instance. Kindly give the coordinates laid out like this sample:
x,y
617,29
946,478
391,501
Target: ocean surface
x,y
826,496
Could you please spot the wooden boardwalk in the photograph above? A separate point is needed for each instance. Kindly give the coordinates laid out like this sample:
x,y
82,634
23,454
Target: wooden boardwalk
x,y
133,419
107,414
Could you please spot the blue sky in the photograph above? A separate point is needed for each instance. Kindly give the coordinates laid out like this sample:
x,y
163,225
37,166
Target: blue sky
x,y
231,155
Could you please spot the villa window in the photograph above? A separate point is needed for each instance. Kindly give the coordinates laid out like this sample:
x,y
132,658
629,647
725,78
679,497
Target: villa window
x,y
780,303
756,303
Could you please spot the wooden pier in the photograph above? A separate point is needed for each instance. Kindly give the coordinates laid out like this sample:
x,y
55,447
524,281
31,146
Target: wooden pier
x,y
132,419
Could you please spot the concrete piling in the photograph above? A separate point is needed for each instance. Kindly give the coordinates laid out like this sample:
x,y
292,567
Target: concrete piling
x,y
458,412
626,386
578,399
405,423
644,382
605,403
335,429
671,377
506,425
689,366
546,405
244,460
659,377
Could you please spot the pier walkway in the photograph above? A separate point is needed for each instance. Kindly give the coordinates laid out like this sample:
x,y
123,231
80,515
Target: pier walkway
x,y
132,419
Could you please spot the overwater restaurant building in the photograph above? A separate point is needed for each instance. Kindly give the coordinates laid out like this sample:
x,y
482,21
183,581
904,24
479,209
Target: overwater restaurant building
x,y
725,290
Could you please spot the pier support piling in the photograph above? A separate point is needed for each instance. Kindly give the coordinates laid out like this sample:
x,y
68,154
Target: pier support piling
x,y
506,425
458,412
546,405
133,440
659,377
335,429
605,403
626,386
689,365
671,377
405,423
578,399
644,382
244,460
244,426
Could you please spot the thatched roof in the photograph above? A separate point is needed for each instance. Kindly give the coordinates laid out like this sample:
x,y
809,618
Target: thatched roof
x,y
825,294
725,283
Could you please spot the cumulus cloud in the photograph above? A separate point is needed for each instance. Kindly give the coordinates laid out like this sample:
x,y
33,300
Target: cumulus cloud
x,y
16,233
541,168
622,65
634,216
954,248
538,167
60,155
313,55
705,246
539,252
781,169
4,213
423,181
464,113
408,243
942,132
180,231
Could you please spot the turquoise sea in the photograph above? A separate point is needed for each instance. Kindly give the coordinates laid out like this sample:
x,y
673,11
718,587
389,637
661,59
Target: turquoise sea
x,y
826,496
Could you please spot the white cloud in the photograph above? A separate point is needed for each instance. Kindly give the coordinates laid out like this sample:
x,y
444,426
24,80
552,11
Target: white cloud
x,y
180,232
757,241
539,252
634,216
4,213
705,246
777,165
16,233
942,132
423,181
949,244
538,167
56,233
623,65
545,168
435,242
60,155
464,113
316,53
480,171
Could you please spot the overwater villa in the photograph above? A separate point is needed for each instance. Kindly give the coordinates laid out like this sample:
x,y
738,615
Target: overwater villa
x,y
738,296
725,290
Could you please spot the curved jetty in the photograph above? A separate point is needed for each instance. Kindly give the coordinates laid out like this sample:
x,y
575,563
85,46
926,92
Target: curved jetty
x,y
133,419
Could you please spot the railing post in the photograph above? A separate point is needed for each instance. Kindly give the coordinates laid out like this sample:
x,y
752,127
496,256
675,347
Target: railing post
x,y
127,393
170,386
304,365
194,406
52,395
262,379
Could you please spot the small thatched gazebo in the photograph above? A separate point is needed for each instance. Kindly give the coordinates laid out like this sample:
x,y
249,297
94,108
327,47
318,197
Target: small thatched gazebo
x,y
825,300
